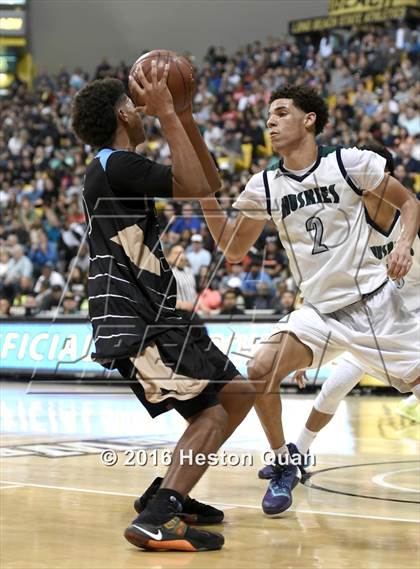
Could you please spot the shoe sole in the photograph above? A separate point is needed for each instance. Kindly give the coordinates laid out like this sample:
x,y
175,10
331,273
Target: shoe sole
x,y
277,514
135,538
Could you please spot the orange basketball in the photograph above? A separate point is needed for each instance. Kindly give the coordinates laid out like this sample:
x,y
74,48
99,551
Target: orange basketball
x,y
181,82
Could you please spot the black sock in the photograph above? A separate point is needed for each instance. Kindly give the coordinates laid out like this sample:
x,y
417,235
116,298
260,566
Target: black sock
x,y
165,505
170,497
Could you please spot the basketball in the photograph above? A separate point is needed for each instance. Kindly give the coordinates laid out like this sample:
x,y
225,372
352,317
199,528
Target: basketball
x,y
181,82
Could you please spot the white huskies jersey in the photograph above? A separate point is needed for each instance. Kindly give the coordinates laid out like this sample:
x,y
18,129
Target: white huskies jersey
x,y
320,217
381,244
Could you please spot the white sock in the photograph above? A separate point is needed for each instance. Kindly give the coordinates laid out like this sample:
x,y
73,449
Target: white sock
x,y
305,439
282,453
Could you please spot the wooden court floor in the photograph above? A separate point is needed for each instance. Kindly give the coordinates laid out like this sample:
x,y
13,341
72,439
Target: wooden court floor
x,y
62,508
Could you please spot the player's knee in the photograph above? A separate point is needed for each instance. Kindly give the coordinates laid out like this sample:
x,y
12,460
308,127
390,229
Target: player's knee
x,y
329,398
265,376
259,368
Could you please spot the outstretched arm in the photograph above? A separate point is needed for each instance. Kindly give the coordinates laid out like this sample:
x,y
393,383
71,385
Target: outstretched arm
x,y
394,193
234,236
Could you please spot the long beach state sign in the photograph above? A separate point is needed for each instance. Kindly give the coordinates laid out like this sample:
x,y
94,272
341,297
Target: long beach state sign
x,y
339,7
347,13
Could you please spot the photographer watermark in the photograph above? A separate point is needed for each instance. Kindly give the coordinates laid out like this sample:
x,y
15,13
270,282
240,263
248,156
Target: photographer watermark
x,y
164,457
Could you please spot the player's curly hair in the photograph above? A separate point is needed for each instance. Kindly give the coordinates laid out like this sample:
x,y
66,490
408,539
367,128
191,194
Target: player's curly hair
x,y
307,100
93,113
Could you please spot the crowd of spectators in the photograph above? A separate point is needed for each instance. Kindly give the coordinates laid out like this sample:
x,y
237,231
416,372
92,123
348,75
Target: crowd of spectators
x,y
369,78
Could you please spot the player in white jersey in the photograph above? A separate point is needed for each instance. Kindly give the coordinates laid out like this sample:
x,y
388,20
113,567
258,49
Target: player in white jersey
x,y
385,223
314,197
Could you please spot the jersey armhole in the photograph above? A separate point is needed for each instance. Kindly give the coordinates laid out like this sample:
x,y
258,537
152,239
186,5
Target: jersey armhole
x,y
376,227
344,173
267,192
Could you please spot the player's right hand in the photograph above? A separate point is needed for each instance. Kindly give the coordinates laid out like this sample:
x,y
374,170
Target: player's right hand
x,y
151,97
399,261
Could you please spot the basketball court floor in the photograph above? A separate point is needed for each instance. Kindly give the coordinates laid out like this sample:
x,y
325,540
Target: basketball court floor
x,y
62,507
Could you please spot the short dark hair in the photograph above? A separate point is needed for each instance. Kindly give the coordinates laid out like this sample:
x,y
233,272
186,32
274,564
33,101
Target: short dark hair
x,y
93,111
307,100
384,152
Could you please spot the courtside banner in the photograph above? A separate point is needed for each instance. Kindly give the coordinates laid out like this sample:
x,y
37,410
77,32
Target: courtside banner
x,y
36,349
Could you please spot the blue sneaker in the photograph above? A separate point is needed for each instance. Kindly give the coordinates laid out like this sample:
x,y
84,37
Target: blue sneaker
x,y
269,471
278,497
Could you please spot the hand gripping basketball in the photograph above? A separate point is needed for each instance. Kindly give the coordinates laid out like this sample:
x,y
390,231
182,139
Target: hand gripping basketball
x,y
151,97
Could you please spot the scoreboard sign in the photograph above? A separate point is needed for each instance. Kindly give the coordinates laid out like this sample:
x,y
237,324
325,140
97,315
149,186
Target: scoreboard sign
x,y
339,7
347,13
12,23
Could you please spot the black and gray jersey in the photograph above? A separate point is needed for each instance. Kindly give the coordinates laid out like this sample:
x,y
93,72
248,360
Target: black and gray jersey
x,y
132,291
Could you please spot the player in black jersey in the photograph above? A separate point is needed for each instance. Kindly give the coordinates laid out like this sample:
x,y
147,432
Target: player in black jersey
x,y
132,296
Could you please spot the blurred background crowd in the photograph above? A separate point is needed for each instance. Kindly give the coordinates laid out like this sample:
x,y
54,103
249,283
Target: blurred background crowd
x,y
369,78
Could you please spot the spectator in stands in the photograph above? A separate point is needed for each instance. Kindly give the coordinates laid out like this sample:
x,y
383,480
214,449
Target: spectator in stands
x,y
402,176
4,307
25,302
4,264
187,221
209,301
254,135
18,266
229,306
71,238
250,281
51,300
42,252
264,298
167,217
70,304
213,137
185,280
287,304
410,120
77,283
197,256
81,260
23,289
48,278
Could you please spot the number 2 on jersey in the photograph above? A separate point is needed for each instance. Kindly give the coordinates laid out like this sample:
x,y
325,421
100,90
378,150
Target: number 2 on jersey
x,y
315,224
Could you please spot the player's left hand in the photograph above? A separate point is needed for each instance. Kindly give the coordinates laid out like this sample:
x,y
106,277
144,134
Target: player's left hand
x,y
301,378
399,261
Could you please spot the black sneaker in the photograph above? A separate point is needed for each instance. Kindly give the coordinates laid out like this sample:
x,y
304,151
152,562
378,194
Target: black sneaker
x,y
193,512
171,535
